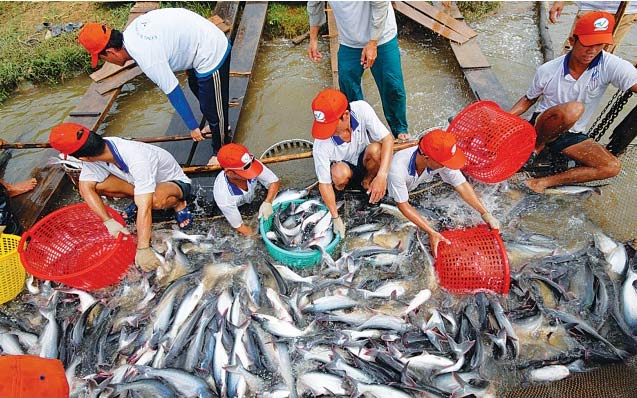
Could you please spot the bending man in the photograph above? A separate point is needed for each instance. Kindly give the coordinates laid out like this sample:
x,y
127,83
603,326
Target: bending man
x,y
168,40
120,168
436,154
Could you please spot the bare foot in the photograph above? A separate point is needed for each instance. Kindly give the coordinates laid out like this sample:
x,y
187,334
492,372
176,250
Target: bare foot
x,y
535,185
404,137
213,161
21,187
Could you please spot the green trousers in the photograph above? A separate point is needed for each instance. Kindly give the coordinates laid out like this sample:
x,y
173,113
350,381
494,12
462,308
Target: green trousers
x,y
388,76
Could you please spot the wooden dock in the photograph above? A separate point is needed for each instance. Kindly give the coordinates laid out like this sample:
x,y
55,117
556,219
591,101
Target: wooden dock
x,y
95,105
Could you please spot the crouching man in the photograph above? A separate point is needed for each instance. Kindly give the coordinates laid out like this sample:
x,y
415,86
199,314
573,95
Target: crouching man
x,y
237,183
120,168
436,153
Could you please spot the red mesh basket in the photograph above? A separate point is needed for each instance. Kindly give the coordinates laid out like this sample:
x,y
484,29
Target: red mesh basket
x,y
475,260
72,246
496,143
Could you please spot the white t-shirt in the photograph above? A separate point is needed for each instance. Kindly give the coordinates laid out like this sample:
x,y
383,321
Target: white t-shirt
x,y
608,6
366,128
357,22
556,86
174,39
229,196
147,166
403,176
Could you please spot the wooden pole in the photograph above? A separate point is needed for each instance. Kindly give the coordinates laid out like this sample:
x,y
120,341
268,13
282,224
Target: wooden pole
x,y
621,10
279,159
148,140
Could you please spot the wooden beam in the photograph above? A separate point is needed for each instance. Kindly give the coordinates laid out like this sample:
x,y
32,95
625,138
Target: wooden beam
x,y
333,34
469,55
109,69
118,80
430,23
441,16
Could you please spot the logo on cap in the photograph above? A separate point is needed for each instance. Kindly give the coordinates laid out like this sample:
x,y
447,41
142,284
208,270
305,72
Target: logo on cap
x,y
319,116
245,158
601,24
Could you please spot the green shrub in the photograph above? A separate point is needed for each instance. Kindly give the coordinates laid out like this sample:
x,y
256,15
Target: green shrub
x,y
474,10
286,20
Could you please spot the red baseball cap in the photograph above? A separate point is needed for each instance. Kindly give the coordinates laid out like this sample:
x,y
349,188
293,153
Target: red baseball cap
x,y
27,376
237,158
328,106
68,138
595,28
94,37
441,147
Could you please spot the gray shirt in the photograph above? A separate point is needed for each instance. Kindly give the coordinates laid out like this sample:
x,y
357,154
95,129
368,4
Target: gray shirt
x,y
358,22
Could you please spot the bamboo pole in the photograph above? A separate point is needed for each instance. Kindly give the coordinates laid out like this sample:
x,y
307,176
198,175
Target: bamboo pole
x,y
282,158
148,140
621,10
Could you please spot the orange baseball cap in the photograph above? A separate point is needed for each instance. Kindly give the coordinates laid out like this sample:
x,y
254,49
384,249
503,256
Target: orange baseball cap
x,y
328,106
595,28
237,158
27,376
68,138
94,37
441,147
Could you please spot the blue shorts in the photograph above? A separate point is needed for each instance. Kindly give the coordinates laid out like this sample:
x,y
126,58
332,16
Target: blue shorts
x,y
563,141
185,189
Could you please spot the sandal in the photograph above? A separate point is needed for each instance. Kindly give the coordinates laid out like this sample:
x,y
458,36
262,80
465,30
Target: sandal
x,y
182,216
130,213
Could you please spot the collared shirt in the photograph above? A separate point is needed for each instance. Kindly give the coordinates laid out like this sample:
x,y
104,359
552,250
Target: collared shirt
x,y
555,84
608,6
174,39
357,22
142,165
229,196
403,176
366,128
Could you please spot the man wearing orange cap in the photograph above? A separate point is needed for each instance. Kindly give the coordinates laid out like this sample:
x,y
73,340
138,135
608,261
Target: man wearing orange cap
x,y
237,183
167,40
436,153
571,87
121,168
26,376
352,149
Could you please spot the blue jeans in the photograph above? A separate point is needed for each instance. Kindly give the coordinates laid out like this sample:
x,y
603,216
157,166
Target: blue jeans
x,y
388,76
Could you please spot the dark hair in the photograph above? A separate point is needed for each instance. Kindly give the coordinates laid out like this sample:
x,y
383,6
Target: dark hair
x,y
94,146
116,40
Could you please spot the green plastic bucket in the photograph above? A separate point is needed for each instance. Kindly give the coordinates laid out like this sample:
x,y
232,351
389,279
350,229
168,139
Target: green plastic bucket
x,y
296,259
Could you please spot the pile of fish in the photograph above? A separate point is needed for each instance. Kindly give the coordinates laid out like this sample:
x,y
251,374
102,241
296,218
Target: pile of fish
x,y
299,227
219,319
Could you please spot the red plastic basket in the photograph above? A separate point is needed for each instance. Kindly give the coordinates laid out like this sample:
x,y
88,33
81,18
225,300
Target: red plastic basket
x,y
475,260
72,246
496,143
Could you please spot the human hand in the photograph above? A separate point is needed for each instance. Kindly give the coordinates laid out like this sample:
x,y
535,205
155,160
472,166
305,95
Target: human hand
x,y
196,134
338,226
435,238
2,227
369,54
556,11
146,259
245,230
313,52
492,221
377,188
265,210
114,228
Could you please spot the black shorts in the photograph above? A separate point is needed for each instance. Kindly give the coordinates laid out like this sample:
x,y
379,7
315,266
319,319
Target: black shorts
x,y
563,141
185,189
7,218
358,173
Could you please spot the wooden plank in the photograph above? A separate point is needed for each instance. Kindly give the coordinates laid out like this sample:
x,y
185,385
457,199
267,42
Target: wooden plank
x,y
244,52
427,22
469,55
29,206
442,17
333,34
109,69
118,80
454,11
228,11
220,23
485,86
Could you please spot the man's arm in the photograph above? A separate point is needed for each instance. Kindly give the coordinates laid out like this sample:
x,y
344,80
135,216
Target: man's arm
x,y
468,194
88,191
556,11
273,189
379,18
378,186
316,12
522,105
144,204
329,198
414,216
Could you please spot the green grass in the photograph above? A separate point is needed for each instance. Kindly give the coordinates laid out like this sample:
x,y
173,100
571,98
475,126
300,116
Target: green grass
x,y
474,10
286,20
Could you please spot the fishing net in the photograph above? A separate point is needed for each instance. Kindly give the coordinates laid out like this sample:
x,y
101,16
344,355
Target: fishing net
x,y
609,381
